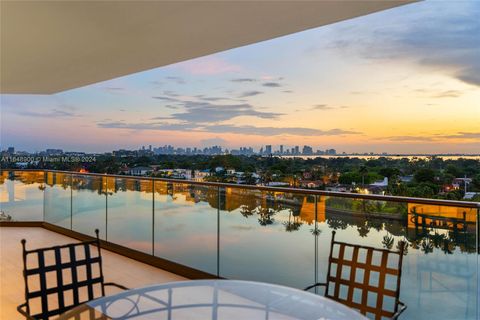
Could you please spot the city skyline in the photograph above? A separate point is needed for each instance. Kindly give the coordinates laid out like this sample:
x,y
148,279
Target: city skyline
x,y
401,81
266,150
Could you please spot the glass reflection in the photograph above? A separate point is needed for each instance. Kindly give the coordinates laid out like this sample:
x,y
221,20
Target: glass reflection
x,y
89,204
265,236
186,224
21,195
129,213
58,196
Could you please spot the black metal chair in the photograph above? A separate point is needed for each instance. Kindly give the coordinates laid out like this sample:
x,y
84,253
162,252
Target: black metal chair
x,y
62,277
352,272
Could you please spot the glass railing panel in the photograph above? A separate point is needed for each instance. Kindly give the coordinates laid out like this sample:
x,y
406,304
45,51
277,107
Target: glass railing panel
x,y
186,224
440,275
374,208
443,255
21,195
129,213
58,199
89,204
268,236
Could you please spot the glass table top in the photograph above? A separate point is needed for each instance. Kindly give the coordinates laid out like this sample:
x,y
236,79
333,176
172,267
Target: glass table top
x,y
214,299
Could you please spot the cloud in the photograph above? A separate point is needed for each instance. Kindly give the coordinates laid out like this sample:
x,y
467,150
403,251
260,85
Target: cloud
x,y
205,112
440,35
469,77
214,98
146,126
250,93
410,138
276,131
448,94
210,65
177,80
246,130
437,137
171,93
170,99
321,107
244,80
54,113
271,84
463,135
327,107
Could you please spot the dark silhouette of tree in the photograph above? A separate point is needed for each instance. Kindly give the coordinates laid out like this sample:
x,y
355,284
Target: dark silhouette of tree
x,y
388,241
292,225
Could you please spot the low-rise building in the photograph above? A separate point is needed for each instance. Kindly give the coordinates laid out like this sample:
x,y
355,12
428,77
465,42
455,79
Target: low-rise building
x,y
140,171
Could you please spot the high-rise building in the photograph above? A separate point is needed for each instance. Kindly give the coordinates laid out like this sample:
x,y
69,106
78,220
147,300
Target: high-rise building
x,y
281,149
331,151
307,150
297,150
268,149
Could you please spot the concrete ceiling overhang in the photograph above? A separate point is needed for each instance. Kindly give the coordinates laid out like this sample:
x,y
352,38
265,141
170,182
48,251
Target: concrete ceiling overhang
x,y
52,46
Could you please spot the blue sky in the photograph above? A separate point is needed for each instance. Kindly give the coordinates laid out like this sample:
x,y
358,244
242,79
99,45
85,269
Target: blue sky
x,y
404,80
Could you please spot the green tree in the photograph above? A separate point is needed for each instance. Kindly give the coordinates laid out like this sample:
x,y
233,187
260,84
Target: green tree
x,y
363,172
424,175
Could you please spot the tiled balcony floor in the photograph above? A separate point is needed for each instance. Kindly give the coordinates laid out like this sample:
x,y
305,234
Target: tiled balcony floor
x,y
116,268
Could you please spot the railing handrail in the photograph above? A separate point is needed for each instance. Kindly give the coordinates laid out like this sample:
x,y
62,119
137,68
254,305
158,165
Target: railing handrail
x,y
378,197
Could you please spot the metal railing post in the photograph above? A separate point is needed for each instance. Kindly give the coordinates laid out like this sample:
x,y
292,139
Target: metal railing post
x,y
44,193
71,202
106,208
153,217
218,231
315,233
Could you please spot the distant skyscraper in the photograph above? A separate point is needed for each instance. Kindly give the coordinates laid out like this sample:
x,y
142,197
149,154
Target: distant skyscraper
x,y
331,151
281,149
268,149
297,150
307,150
11,150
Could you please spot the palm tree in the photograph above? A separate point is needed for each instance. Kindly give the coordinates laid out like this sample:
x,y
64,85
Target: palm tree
x,y
405,246
363,171
246,211
388,241
266,217
292,225
363,230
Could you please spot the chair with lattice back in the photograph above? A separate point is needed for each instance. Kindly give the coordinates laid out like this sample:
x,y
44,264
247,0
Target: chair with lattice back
x,y
62,277
365,278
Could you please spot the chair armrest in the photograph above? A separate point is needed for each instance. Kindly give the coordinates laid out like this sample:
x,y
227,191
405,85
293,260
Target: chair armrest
x,y
403,307
113,284
314,285
21,308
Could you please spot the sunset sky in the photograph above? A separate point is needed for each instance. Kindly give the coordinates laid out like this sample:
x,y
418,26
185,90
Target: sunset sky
x,y
405,80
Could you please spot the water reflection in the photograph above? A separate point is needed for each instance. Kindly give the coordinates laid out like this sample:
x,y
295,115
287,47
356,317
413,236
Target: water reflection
x,y
424,227
21,195
251,234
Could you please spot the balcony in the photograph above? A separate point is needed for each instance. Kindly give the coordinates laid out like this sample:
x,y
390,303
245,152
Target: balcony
x,y
276,235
